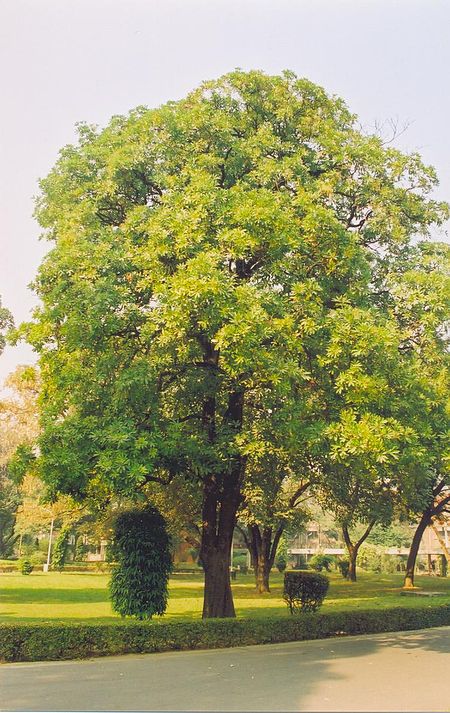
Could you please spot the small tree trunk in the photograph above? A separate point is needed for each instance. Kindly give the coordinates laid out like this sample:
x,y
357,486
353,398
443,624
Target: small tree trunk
x,y
414,550
352,555
262,576
353,549
263,552
259,557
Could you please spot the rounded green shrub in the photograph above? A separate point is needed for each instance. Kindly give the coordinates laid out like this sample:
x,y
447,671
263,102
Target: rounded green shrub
x,y
319,562
37,557
304,591
240,562
26,567
143,562
370,557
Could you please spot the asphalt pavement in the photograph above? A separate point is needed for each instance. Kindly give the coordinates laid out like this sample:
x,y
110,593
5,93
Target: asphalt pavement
x,y
384,672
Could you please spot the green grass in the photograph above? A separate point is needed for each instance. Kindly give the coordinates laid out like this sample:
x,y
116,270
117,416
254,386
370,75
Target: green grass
x,y
83,597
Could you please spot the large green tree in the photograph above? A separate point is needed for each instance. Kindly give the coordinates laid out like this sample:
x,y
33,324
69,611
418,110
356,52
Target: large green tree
x,y
421,305
197,249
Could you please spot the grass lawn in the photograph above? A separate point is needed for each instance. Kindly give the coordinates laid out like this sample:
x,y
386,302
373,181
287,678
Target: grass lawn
x,y
84,597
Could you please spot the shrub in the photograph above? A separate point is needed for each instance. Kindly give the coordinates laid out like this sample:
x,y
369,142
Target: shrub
x,y
240,561
304,591
319,562
80,551
61,549
390,563
344,566
370,557
282,554
38,557
194,552
26,567
52,641
281,563
141,550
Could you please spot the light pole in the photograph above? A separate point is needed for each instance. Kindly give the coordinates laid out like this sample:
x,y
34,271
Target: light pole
x,y
49,551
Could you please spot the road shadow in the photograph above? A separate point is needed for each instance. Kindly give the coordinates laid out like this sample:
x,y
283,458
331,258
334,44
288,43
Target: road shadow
x,y
425,639
339,674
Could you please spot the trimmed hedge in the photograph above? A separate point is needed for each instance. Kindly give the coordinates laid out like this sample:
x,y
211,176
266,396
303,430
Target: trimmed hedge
x,y
52,641
304,591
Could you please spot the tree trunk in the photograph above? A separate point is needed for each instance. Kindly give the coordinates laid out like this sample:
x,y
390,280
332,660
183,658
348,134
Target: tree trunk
x,y
262,576
352,555
414,550
219,518
264,548
221,499
353,549
261,541
218,597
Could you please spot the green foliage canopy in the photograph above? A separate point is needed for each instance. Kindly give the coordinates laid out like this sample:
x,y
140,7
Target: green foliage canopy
x,y
204,254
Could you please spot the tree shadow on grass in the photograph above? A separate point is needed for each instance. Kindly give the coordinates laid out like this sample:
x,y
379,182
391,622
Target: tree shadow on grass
x,y
53,595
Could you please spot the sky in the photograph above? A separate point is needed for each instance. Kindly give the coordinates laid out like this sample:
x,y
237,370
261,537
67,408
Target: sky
x,y
64,61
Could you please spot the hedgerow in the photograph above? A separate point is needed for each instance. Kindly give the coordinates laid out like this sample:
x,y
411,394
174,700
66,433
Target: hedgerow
x,y
52,641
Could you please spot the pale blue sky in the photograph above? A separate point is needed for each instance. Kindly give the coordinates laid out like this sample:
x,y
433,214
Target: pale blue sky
x,y
63,61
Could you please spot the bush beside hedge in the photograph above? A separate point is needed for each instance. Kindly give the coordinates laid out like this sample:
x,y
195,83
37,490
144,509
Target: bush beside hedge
x,y
51,641
304,591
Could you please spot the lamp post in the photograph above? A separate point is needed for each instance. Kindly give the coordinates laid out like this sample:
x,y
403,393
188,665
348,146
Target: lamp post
x,y
49,551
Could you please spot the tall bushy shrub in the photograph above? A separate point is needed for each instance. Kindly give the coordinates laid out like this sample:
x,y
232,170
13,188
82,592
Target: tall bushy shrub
x,y
61,549
304,591
80,551
143,562
343,566
281,562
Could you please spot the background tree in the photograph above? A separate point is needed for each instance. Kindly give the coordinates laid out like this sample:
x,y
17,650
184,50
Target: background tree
x,y
397,534
6,322
375,457
180,503
420,289
9,502
18,428
278,476
187,242
273,504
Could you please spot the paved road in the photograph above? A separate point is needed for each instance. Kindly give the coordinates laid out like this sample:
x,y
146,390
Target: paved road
x,y
386,672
